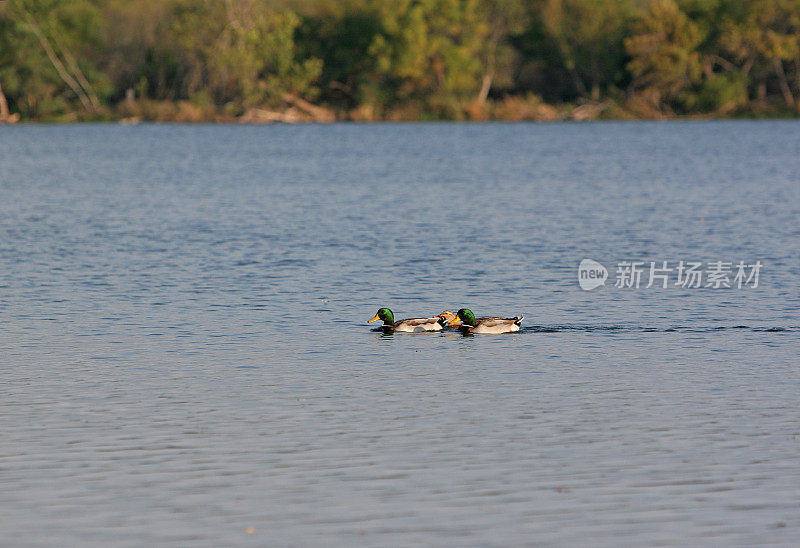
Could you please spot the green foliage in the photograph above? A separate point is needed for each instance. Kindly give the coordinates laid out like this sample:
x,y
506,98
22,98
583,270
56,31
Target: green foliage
x,y
247,51
341,40
398,59
428,51
46,66
719,93
505,20
664,61
584,38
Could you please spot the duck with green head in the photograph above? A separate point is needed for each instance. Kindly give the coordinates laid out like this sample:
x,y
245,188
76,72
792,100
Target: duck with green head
x,y
468,323
409,325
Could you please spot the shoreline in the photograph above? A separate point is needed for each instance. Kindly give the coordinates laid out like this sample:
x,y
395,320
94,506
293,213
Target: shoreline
x,y
243,120
237,122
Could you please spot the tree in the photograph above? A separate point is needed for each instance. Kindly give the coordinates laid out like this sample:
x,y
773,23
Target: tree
x,y
428,51
574,48
44,63
664,61
140,52
340,35
247,51
504,19
765,37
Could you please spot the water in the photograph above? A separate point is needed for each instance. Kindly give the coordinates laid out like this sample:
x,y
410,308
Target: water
x,y
185,358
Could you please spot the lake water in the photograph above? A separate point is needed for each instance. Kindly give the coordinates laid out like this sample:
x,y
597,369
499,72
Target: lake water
x,y
185,357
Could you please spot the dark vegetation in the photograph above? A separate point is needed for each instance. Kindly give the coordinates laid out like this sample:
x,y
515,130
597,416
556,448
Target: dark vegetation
x,y
296,60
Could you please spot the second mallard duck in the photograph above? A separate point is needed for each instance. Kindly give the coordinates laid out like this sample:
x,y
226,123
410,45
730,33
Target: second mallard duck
x,y
468,323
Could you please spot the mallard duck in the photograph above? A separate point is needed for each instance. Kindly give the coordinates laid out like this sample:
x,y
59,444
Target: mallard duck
x,y
435,323
468,323
448,317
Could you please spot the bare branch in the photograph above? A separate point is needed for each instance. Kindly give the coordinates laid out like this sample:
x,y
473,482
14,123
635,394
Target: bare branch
x,y
73,65
57,64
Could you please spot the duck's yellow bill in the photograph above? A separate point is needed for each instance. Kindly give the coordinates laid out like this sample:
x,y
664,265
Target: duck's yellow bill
x,y
373,319
451,318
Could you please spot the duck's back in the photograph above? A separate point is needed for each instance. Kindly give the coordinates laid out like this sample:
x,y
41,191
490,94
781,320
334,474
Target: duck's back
x,y
413,325
497,325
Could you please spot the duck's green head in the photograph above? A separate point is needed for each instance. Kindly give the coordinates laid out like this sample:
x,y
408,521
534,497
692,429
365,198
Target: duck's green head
x,y
466,316
385,315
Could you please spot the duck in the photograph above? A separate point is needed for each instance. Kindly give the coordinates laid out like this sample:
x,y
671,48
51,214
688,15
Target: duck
x,y
468,323
409,325
448,317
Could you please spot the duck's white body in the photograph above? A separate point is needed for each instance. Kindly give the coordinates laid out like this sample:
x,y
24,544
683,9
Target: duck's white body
x,y
417,325
491,326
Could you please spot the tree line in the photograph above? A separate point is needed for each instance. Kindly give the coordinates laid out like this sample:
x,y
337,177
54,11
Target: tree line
x,y
295,60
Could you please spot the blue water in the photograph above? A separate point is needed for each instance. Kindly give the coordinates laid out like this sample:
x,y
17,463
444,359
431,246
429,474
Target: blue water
x,y
185,359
